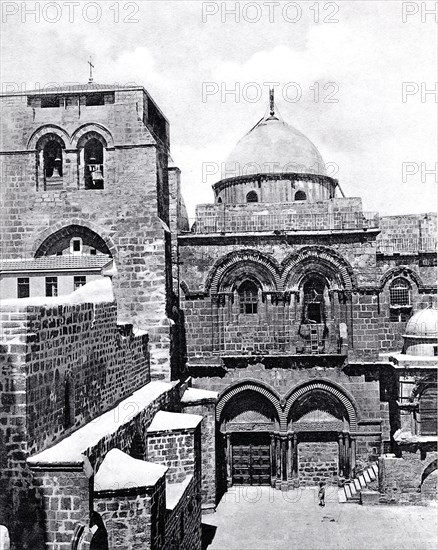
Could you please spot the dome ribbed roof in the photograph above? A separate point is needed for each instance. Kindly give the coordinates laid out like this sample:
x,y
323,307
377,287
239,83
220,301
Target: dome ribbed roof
x,y
423,324
274,146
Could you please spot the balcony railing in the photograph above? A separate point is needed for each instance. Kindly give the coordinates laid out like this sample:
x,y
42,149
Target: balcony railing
x,y
242,222
406,245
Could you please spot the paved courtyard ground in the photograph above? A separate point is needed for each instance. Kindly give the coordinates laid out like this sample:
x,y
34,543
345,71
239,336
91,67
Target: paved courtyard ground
x,y
261,518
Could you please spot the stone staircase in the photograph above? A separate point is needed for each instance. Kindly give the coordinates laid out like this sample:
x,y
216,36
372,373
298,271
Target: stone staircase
x,y
351,491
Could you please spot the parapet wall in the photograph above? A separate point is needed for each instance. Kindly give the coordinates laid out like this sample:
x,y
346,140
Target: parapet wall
x,y
72,355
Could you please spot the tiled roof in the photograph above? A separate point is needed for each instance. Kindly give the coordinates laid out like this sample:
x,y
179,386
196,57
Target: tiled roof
x,y
56,263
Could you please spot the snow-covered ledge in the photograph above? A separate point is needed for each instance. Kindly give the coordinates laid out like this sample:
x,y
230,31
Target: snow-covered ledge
x,y
195,396
121,472
169,421
70,451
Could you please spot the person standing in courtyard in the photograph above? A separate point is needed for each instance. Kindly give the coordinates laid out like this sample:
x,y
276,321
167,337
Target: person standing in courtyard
x,y
321,493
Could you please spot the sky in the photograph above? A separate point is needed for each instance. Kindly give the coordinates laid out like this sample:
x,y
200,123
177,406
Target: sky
x,y
357,78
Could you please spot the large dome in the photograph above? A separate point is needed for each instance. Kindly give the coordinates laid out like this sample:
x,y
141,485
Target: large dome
x,y
273,146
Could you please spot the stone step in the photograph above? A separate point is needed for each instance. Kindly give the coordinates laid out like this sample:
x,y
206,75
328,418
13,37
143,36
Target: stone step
x,y
369,497
352,489
357,484
367,476
371,473
341,495
362,481
375,469
347,490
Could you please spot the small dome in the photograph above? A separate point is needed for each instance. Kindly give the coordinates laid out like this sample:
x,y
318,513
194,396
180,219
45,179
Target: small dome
x,y
423,324
274,146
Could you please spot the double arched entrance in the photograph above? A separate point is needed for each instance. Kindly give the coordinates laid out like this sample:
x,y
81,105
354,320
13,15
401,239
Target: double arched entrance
x,y
302,438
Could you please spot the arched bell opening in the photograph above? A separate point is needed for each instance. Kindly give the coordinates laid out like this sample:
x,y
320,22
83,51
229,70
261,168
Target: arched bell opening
x,y
247,425
321,446
50,161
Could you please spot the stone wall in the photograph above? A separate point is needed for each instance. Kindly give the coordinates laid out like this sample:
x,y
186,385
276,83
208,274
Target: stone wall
x,y
318,461
401,480
43,347
134,519
80,345
183,522
208,451
175,449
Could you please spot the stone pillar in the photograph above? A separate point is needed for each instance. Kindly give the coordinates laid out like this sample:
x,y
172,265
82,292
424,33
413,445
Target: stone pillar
x,y
353,456
278,460
295,457
229,459
341,454
289,457
283,459
273,461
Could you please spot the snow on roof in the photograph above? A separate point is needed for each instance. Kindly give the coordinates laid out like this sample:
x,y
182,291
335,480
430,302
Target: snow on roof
x,y
191,395
174,492
98,291
70,450
120,471
168,421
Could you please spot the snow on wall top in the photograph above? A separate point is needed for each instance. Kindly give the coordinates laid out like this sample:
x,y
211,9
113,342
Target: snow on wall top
x,y
120,471
71,449
168,421
191,395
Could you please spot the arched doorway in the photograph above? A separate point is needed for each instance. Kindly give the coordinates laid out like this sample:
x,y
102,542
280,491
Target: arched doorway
x,y
319,420
248,421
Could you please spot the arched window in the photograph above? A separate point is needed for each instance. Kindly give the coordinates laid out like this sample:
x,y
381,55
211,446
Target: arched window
x,y
400,300
93,160
314,300
252,197
300,196
428,411
50,161
219,200
248,298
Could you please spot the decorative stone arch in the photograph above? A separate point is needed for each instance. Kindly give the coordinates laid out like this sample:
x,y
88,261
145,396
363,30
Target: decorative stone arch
x,y
429,480
422,384
47,129
47,237
263,267
428,470
95,130
252,385
401,271
328,387
322,260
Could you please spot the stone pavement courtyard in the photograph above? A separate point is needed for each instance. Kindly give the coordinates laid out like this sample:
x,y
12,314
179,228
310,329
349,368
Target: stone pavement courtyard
x,y
261,518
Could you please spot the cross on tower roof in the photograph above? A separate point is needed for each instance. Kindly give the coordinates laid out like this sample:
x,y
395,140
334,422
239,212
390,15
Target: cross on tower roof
x,y
90,80
271,102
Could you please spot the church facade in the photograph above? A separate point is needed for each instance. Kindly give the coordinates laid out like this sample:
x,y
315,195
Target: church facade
x,y
148,363
294,300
